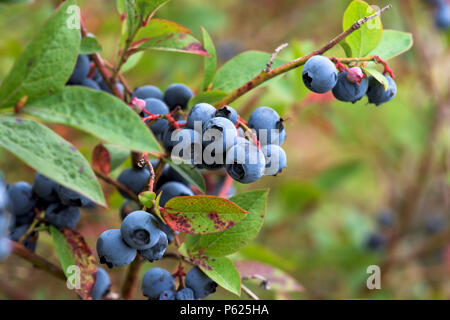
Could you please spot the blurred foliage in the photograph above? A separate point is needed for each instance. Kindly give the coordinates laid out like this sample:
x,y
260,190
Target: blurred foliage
x,y
346,162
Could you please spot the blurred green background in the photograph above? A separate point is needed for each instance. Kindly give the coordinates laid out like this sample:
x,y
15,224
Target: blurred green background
x,y
347,163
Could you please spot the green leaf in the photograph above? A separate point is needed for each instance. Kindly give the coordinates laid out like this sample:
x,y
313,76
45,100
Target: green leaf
x,y
233,239
47,61
377,75
117,155
15,1
146,8
146,198
346,48
159,27
51,155
210,62
276,279
365,39
259,253
62,249
89,45
157,211
189,173
242,69
210,97
221,270
132,62
97,113
392,44
176,42
202,214
120,4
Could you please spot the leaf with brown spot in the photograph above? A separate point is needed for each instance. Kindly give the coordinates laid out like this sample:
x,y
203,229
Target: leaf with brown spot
x,y
274,278
101,159
202,214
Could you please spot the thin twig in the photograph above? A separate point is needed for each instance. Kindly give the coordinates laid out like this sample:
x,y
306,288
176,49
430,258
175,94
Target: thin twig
x,y
116,183
265,76
249,292
274,55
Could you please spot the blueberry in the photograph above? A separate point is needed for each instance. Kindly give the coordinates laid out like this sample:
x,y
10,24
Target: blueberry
x,y
45,188
63,217
113,251
227,112
146,92
442,16
140,230
90,84
245,162
23,219
69,197
167,137
220,132
375,241
268,126
156,281
173,189
5,248
167,295
127,207
344,90
275,159
187,145
105,87
102,285
156,106
376,92
385,218
21,198
319,74
167,230
169,174
81,70
200,283
177,94
185,294
4,198
200,113
135,179
157,251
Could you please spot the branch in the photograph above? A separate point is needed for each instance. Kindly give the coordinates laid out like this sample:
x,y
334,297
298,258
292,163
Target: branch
x,y
265,76
249,292
131,278
37,261
274,55
116,183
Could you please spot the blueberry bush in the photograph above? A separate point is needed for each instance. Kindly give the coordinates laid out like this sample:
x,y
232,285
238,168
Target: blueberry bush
x,y
172,161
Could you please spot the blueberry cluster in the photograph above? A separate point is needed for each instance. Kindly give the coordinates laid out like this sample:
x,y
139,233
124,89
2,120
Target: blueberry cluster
x,y
441,13
159,284
61,207
102,285
84,74
320,76
5,217
377,239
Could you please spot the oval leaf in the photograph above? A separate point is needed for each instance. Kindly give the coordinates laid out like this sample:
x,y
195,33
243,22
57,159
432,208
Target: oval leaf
x,y
392,44
242,69
47,62
202,214
377,75
176,41
232,240
51,155
101,160
367,38
189,173
97,113
211,62
158,27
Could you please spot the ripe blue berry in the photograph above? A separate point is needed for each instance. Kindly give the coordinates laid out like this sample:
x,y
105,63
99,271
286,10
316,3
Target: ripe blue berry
x,y
177,94
227,112
157,251
187,145
201,112
146,92
5,248
45,188
90,84
173,189
113,251
245,162
167,230
140,230
375,241
170,174
268,126
275,159
156,281
347,91
167,295
376,92
442,16
220,132
127,207
156,106
21,198
319,74
69,197
200,283
167,137
81,70
102,285
62,217
135,179
185,294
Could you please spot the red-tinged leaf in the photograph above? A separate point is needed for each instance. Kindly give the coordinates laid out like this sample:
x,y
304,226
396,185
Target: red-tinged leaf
x,y
101,159
175,41
85,260
158,27
272,277
202,214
